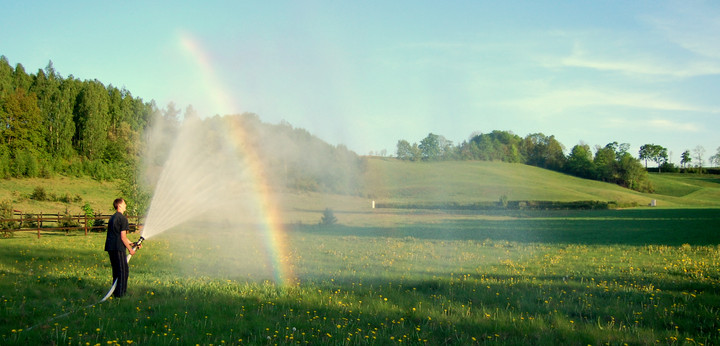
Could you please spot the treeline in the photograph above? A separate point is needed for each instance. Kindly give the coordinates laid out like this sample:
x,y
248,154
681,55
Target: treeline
x,y
50,124
302,161
291,158
611,163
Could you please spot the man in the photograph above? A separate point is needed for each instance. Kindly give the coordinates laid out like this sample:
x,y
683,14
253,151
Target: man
x,y
115,244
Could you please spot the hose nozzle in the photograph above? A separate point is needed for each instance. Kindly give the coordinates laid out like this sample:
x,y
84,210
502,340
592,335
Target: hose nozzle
x,y
137,243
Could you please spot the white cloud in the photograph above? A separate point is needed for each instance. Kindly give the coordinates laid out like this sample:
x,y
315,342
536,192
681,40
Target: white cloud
x,y
645,66
560,100
653,124
692,26
664,124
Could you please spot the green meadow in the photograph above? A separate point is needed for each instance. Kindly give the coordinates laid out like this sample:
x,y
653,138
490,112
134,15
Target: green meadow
x,y
395,276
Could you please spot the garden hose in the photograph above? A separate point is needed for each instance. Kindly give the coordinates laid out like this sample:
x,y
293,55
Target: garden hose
x,y
135,246
112,289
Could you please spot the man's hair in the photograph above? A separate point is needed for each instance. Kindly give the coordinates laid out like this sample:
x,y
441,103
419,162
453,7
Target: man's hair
x,y
117,202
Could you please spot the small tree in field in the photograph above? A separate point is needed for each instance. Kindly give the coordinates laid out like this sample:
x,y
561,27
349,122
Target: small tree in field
x,y
715,159
6,213
685,158
328,217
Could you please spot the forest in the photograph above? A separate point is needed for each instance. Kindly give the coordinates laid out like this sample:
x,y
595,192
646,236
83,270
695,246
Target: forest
x,y
50,124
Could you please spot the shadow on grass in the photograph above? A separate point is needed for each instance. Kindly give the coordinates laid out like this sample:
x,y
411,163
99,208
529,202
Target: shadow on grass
x,y
549,309
672,227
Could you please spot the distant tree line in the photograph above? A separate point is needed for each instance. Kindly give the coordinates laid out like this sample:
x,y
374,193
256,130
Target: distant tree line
x,y
291,158
610,163
298,160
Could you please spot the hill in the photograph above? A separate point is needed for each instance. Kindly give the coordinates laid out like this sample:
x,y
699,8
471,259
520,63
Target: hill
x,y
387,180
464,182
77,191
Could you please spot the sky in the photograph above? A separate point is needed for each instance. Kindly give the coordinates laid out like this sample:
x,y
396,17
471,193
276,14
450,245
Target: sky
x,y
366,74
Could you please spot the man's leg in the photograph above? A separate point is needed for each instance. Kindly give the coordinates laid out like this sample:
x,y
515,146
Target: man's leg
x,y
123,276
114,263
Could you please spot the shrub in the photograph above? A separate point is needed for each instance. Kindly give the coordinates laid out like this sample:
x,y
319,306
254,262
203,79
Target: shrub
x,y
67,220
29,221
503,201
6,213
39,194
328,217
89,216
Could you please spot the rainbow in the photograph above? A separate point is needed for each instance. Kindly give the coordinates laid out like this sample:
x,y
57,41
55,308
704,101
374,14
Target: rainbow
x,y
272,228
209,80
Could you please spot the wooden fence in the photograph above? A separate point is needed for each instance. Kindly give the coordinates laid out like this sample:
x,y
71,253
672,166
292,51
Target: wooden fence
x,y
59,222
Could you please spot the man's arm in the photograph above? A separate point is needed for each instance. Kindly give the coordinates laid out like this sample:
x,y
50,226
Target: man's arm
x,y
126,241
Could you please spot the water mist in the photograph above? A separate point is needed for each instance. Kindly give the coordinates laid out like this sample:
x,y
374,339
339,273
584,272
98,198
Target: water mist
x,y
208,194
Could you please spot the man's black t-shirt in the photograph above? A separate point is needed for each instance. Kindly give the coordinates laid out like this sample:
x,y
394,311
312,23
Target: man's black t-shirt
x,y
118,223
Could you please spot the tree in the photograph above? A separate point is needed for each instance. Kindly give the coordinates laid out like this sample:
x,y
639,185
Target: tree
x,y
446,148
328,217
404,150
6,76
654,153
430,147
56,100
92,120
580,163
20,121
20,78
715,159
699,151
632,175
543,151
496,145
486,149
60,124
605,163
685,158
619,149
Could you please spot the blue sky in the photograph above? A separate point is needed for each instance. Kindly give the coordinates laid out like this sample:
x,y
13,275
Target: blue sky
x,y
368,73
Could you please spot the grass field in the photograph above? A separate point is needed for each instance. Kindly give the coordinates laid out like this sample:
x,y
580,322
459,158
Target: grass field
x,y
388,276
623,276
390,180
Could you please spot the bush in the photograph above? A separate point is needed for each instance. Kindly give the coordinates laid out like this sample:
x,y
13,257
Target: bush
x,y
39,194
89,216
67,220
30,221
328,217
6,213
66,198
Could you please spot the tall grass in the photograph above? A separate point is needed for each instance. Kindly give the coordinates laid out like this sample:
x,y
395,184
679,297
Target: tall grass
x,y
581,277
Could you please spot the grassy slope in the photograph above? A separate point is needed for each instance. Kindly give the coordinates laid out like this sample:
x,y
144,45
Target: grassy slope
x,y
98,194
688,188
390,180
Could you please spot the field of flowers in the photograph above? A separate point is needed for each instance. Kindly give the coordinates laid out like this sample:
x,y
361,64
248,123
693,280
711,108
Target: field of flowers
x,y
624,276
